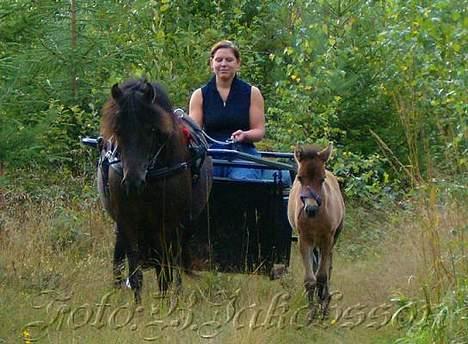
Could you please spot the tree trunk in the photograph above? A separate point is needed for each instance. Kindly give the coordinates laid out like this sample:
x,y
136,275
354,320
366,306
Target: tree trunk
x,y
74,77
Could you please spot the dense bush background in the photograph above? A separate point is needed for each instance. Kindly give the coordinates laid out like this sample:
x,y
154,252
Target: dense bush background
x,y
384,80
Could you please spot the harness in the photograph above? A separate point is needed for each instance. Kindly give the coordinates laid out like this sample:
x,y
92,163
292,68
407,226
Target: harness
x,y
197,144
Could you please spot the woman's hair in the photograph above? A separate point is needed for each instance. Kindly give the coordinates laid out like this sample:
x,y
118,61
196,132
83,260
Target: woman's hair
x,y
225,45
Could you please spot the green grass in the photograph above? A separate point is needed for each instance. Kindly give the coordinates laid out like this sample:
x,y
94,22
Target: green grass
x,y
55,270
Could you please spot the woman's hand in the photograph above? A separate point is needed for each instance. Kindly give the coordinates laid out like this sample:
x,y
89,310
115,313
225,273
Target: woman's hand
x,y
239,136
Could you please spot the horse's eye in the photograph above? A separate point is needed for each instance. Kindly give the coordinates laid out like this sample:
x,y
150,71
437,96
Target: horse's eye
x,y
322,180
299,178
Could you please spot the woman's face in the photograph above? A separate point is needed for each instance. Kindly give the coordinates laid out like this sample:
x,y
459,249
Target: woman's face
x,y
224,63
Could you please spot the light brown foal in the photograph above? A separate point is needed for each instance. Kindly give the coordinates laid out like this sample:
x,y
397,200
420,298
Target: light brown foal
x,y
316,211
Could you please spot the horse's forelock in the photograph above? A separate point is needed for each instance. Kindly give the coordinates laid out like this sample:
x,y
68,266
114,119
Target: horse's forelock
x,y
310,151
137,100
312,167
159,94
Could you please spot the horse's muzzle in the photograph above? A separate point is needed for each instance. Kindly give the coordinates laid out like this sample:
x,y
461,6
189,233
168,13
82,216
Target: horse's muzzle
x,y
311,210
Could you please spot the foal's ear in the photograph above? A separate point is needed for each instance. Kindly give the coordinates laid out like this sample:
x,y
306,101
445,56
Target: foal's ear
x,y
324,155
116,92
298,153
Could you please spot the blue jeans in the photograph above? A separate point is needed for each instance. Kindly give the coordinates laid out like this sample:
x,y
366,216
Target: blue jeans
x,y
237,173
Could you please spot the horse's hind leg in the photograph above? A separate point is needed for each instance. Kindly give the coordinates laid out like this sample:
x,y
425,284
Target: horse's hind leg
x,y
120,251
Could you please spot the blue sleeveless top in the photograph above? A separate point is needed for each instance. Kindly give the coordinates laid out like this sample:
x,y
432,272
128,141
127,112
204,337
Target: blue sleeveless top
x,y
221,119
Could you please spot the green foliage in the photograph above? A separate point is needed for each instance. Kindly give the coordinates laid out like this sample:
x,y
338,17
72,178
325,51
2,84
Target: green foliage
x,y
66,232
61,139
425,43
363,177
428,322
329,71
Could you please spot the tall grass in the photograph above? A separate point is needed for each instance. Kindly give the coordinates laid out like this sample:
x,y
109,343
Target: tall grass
x,y
441,307
56,280
438,207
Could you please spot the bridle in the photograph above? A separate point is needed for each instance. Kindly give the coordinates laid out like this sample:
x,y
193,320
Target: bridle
x,y
153,172
309,193
153,160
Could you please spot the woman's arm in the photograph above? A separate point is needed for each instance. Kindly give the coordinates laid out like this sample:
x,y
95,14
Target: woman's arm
x,y
257,119
196,107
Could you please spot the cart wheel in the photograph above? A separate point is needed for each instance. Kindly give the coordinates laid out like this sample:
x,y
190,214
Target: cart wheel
x,y
277,271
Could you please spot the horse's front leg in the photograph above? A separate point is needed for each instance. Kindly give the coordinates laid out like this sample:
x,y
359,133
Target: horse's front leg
x,y
136,274
120,250
310,282
323,277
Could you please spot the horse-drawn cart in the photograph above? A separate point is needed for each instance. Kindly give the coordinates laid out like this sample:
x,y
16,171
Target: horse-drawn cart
x,y
244,227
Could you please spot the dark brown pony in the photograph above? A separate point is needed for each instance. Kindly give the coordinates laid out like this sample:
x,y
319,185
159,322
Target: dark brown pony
x,y
316,210
149,191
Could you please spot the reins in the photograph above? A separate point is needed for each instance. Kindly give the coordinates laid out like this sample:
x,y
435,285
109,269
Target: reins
x,y
181,113
225,143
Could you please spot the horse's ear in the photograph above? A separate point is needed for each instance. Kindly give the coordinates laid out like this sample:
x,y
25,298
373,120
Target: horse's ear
x,y
324,155
149,92
116,92
298,153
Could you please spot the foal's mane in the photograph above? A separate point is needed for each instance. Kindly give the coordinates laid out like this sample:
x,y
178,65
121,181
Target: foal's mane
x,y
133,99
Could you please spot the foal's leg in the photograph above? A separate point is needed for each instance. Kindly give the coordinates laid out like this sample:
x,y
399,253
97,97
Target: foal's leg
x,y
120,251
315,259
323,276
310,282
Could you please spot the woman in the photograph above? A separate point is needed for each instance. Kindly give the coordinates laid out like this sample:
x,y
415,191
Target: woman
x,y
229,108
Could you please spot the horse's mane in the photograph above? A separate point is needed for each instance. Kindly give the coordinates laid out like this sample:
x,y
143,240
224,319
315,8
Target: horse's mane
x,y
132,94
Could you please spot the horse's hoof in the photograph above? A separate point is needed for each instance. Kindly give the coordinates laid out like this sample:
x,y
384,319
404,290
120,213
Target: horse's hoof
x,y
137,294
312,314
325,314
325,308
122,284
119,283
